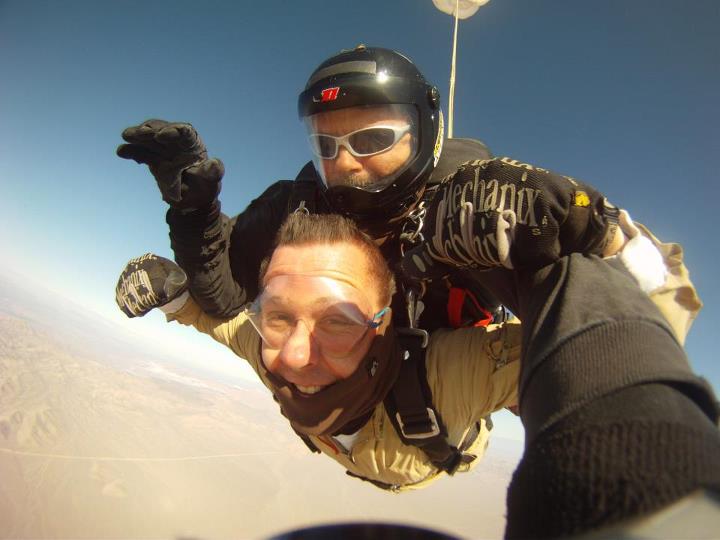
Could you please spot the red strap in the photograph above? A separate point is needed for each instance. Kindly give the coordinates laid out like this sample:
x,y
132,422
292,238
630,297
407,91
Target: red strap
x,y
328,442
456,300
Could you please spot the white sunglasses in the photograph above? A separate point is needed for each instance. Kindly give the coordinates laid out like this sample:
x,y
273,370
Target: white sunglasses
x,y
361,143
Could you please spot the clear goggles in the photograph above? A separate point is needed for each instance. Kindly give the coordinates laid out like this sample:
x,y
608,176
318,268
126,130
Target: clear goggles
x,y
335,315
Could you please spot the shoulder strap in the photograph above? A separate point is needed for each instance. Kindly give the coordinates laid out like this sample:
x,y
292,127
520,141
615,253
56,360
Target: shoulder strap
x,y
410,408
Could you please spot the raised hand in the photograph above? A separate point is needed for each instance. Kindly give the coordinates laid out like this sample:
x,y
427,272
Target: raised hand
x,y
178,160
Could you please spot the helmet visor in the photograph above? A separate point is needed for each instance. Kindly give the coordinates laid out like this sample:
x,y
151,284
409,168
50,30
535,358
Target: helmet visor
x,y
363,147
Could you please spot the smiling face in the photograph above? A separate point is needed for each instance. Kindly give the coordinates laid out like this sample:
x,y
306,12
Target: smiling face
x,y
373,171
305,358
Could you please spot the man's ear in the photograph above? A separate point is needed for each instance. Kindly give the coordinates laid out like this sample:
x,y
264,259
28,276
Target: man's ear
x,y
262,271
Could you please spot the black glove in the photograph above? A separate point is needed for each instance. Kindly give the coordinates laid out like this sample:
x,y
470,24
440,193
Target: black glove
x,y
148,282
502,213
178,160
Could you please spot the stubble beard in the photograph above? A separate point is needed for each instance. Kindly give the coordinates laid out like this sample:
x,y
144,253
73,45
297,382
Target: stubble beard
x,y
362,179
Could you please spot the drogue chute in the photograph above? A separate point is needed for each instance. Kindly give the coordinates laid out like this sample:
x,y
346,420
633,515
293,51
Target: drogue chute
x,y
459,9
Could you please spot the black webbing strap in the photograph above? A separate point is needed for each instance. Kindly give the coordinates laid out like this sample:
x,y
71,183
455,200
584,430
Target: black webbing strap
x,y
410,408
311,445
376,483
472,434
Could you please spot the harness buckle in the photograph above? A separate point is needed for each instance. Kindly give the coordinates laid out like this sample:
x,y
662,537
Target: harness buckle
x,y
302,209
414,306
413,333
413,225
414,430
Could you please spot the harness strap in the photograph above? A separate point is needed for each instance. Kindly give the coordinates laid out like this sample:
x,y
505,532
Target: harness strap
x,y
472,434
376,483
409,406
311,445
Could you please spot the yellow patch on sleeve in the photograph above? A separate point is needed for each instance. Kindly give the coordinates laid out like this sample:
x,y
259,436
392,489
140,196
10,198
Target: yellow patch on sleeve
x,y
581,199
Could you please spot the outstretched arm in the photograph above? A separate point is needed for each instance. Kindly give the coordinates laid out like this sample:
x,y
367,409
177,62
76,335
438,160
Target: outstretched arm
x,y
496,215
500,213
200,234
617,425
149,281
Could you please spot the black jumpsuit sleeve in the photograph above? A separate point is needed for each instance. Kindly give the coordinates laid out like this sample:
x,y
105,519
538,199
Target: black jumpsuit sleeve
x,y
222,256
617,425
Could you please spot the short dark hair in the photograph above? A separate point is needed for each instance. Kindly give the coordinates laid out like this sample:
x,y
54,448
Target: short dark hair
x,y
302,228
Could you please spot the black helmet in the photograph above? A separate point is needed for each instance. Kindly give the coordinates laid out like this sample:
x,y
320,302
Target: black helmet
x,y
371,77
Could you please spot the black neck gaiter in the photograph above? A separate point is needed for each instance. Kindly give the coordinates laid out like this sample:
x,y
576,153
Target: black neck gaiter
x,y
328,411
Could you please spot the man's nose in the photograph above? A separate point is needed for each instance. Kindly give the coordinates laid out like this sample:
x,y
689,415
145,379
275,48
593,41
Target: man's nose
x,y
345,161
298,349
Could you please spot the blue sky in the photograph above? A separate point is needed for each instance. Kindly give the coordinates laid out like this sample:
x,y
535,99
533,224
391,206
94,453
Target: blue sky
x,y
623,94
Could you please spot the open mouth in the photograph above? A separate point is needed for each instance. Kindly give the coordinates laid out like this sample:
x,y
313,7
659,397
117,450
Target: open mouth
x,y
309,389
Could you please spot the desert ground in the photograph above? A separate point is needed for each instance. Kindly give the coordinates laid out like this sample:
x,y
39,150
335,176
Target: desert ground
x,y
99,439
